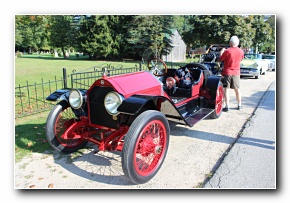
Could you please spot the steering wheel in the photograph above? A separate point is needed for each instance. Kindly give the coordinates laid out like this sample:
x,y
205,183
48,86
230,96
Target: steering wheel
x,y
157,67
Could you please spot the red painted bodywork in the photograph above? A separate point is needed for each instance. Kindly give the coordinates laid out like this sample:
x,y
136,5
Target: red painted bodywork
x,y
111,142
143,83
196,87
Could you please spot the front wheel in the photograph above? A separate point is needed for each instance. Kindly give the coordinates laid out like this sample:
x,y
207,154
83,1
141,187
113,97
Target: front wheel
x,y
218,101
145,146
59,120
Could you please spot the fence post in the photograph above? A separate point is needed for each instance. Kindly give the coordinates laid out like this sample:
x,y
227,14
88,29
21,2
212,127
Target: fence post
x,y
140,66
64,77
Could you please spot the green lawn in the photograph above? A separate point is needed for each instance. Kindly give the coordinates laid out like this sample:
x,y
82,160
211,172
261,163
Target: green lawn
x,y
34,68
30,135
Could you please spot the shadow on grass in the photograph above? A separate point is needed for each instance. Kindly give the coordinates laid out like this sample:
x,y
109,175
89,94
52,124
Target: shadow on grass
x,y
30,138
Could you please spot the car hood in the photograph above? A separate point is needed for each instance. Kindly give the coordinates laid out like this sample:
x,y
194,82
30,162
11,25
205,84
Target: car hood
x,y
142,83
250,63
271,60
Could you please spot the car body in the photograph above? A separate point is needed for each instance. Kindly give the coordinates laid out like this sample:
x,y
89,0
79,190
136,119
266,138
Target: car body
x,y
216,48
210,57
131,113
253,66
271,61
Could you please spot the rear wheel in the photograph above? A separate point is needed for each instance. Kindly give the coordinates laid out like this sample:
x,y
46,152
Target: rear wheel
x,y
218,101
145,146
59,120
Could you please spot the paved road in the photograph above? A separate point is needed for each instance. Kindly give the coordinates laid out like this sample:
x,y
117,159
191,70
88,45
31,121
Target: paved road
x,y
251,163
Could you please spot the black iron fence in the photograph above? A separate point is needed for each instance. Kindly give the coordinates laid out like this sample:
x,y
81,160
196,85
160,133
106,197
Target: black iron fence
x,y
86,78
31,98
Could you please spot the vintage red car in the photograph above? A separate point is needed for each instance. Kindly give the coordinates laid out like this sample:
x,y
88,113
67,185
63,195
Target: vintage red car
x,y
131,113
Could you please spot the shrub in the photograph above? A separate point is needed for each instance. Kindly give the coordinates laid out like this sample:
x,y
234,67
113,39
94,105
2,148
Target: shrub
x,y
19,54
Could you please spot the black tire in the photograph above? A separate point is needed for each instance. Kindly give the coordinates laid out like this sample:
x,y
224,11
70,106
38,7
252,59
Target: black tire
x,y
218,101
59,119
197,65
142,143
257,76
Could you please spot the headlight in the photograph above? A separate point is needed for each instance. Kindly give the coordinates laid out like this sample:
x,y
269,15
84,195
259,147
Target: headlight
x,y
256,65
75,99
112,101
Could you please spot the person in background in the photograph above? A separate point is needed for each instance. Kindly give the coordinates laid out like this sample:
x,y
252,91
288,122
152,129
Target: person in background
x,y
231,70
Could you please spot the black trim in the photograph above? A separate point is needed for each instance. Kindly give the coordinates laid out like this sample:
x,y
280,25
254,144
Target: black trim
x,y
134,104
98,115
58,93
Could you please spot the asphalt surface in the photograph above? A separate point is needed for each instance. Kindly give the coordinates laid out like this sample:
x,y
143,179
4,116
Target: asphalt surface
x,y
251,162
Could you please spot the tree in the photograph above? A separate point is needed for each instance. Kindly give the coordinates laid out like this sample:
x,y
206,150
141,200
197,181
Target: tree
x,y
269,45
18,36
119,36
61,32
95,36
217,29
263,31
272,42
148,31
31,32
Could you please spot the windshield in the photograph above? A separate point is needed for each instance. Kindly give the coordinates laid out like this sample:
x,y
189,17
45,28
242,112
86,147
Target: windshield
x,y
253,56
268,57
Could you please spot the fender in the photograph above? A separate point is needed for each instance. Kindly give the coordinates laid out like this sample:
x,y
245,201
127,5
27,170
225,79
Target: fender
x,y
211,88
135,103
63,94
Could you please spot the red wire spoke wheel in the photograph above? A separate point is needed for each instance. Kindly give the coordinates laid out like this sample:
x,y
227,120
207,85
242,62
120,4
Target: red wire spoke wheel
x,y
149,148
218,101
145,146
59,120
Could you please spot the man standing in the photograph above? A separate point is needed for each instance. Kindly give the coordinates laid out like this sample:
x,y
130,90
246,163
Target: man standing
x,y
231,71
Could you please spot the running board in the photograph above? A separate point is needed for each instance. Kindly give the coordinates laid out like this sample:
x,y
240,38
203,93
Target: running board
x,y
198,116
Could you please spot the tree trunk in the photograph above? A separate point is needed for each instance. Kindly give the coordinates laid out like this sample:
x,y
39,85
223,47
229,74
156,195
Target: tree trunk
x,y
63,52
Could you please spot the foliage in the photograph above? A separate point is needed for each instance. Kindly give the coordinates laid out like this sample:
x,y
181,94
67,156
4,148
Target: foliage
x,y
148,31
261,30
253,30
31,32
60,32
217,29
94,36
128,36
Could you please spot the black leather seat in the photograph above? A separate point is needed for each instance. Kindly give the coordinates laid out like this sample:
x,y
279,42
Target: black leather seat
x,y
176,91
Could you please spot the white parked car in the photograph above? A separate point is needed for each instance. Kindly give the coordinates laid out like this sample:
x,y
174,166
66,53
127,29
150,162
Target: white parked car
x,y
271,61
253,66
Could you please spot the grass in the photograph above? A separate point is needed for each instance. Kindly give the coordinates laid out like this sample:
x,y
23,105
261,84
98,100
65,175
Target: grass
x,y
30,135
33,68
30,130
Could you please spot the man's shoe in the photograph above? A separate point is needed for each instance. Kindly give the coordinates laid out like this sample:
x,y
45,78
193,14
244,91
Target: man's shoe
x,y
239,107
225,109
